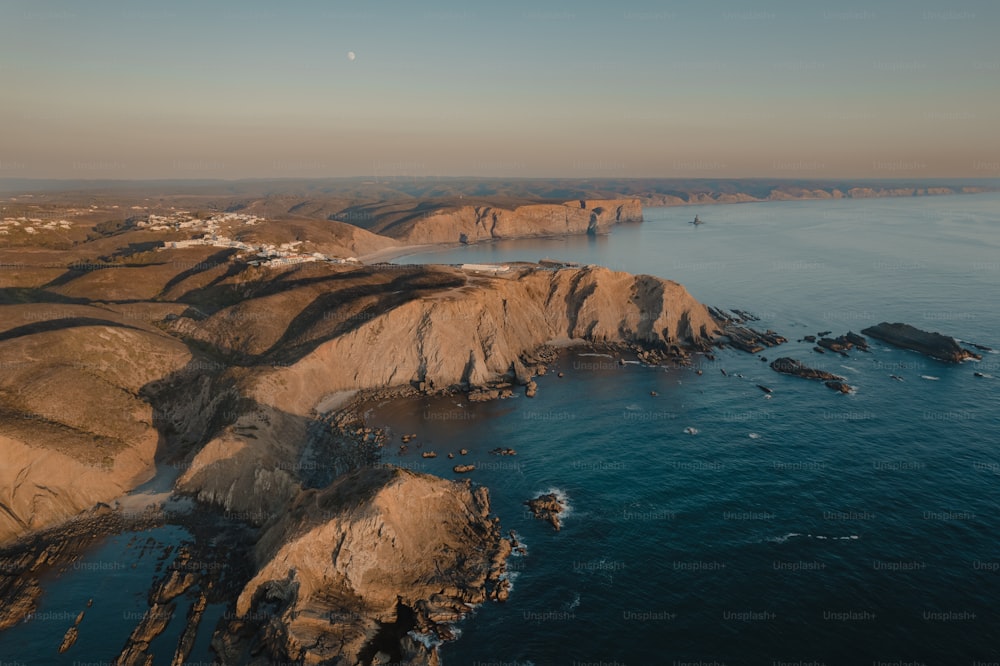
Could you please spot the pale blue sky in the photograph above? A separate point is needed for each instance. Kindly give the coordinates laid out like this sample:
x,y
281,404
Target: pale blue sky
x,y
715,89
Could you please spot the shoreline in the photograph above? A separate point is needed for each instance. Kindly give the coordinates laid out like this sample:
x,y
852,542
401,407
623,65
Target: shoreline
x,y
386,255
390,254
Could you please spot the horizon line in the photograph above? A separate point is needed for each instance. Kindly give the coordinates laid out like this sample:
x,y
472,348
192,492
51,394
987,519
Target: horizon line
x,y
380,179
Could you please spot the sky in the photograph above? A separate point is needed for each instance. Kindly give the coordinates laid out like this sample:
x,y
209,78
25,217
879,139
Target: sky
x,y
196,89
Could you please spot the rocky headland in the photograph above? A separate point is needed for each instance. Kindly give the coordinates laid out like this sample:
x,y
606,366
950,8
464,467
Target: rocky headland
x,y
478,223
123,356
376,566
194,359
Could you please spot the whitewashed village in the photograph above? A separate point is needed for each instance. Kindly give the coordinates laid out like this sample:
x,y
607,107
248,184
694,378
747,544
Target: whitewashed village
x,y
264,254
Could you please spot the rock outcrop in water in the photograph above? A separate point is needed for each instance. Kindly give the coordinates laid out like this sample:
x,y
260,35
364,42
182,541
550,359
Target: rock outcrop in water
x,y
935,345
742,336
376,566
474,224
547,507
790,366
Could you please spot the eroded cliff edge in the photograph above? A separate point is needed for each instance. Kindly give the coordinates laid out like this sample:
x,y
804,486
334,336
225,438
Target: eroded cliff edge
x,y
474,224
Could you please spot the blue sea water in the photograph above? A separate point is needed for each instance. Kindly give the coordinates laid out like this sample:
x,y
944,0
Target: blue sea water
x,y
808,527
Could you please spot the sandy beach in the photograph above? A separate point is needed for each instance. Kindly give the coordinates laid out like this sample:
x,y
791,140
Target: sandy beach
x,y
390,253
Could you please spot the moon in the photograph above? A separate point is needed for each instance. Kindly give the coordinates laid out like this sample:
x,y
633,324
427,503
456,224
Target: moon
x,y
351,55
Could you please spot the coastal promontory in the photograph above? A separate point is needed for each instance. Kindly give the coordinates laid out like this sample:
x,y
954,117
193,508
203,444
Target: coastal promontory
x,y
376,566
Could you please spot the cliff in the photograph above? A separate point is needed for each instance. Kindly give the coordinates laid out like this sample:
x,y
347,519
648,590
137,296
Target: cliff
x,y
473,224
223,372
434,325
349,571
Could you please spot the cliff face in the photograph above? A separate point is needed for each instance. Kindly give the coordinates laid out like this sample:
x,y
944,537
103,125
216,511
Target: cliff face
x,y
469,329
478,329
349,570
233,371
473,224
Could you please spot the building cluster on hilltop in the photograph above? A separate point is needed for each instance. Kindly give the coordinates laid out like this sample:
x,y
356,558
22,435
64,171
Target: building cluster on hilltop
x,y
32,225
263,254
182,219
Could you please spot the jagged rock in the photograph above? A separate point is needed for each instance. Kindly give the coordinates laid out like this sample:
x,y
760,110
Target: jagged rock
x,y
152,625
186,642
547,507
521,374
857,340
429,454
835,345
175,584
69,639
483,395
790,366
503,451
839,386
932,344
749,340
462,469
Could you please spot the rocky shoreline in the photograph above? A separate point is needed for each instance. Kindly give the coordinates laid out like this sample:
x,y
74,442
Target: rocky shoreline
x,y
206,568
410,554
328,523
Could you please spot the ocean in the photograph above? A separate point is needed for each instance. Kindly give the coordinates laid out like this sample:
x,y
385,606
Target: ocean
x,y
710,524
811,527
